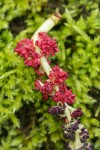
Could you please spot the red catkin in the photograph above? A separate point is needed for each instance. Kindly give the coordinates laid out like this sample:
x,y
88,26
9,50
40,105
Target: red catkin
x,y
47,45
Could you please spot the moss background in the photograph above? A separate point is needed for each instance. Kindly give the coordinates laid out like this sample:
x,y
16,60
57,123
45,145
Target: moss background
x,y
24,121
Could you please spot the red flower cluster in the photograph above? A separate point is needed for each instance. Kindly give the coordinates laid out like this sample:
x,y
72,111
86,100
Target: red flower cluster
x,y
54,86
46,88
57,75
64,95
25,48
47,45
38,85
77,113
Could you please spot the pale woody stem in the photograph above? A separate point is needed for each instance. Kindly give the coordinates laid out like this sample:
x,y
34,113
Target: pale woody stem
x,y
45,27
77,140
45,65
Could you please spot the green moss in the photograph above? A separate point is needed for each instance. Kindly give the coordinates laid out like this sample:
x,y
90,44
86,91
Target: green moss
x,y
24,121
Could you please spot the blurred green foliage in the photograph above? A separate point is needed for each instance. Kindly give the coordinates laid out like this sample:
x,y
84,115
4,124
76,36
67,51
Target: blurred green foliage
x,y
24,121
